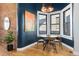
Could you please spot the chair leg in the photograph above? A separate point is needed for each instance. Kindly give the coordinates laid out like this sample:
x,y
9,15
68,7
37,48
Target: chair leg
x,y
44,46
37,44
54,47
60,44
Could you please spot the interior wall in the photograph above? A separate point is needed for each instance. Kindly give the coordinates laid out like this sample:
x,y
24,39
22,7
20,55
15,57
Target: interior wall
x,y
25,37
8,10
76,27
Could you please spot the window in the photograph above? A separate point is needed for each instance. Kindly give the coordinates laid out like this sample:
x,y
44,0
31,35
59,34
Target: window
x,y
66,22
54,24
42,24
48,24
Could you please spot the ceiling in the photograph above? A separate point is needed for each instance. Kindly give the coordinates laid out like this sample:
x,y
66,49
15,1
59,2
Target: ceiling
x,y
33,7
57,6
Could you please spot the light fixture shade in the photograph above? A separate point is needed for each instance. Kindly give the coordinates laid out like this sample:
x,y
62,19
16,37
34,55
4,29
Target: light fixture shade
x,y
47,8
50,9
43,9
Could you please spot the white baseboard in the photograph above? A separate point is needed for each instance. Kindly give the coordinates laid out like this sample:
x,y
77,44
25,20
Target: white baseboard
x,y
21,49
67,46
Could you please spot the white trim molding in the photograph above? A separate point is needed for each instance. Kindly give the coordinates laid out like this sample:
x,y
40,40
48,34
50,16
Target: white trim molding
x,y
67,46
23,48
62,32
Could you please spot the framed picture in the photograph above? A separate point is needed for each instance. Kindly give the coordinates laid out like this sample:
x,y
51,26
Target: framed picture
x,y
29,21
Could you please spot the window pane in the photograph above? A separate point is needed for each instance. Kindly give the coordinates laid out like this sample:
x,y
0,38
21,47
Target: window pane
x,y
55,19
42,23
43,29
66,20
54,29
42,19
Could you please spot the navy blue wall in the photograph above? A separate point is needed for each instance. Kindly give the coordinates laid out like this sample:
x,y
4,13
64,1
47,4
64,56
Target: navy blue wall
x,y
25,38
68,42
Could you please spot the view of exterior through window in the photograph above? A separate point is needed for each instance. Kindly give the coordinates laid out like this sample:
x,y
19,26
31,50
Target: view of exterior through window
x,y
55,23
42,23
66,23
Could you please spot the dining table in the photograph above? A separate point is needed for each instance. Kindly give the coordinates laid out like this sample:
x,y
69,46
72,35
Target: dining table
x,y
49,41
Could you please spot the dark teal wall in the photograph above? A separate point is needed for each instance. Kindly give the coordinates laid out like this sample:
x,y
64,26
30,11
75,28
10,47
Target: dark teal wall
x,y
25,38
68,42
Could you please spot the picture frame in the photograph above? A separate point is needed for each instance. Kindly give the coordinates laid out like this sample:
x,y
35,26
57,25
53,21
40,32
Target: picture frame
x,y
29,21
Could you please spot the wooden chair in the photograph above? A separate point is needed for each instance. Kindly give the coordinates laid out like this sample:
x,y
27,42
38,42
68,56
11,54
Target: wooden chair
x,y
58,40
50,42
40,40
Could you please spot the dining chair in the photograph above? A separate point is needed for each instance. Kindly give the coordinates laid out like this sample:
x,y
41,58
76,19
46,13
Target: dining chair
x,y
50,41
40,40
47,41
58,40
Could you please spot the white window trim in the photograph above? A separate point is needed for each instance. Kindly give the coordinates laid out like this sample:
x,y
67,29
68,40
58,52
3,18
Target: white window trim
x,y
62,34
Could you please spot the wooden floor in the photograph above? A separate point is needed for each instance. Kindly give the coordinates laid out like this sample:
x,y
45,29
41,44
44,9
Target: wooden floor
x,y
36,51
